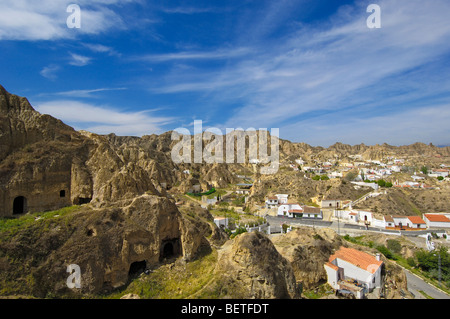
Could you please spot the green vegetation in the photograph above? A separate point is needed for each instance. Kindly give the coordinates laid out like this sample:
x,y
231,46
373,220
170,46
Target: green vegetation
x,y
319,292
218,193
24,256
211,191
238,231
380,182
173,281
12,224
320,178
428,262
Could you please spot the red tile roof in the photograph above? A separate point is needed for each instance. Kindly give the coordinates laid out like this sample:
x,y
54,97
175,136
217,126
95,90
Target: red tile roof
x,y
358,258
332,266
311,210
416,220
389,219
437,218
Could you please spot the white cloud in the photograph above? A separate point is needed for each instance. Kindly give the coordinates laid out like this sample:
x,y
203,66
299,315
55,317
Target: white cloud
x,y
83,93
49,72
46,19
79,60
104,119
100,48
201,55
327,69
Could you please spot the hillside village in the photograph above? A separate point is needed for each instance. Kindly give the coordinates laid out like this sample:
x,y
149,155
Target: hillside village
x,y
376,178
337,222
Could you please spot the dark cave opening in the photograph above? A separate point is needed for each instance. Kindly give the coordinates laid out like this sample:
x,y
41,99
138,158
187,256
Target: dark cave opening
x,y
137,268
19,205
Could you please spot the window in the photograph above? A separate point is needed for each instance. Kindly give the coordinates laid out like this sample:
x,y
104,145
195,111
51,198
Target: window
x,y
62,193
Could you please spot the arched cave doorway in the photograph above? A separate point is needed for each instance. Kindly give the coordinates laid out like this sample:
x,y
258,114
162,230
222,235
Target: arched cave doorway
x,y
170,248
19,205
137,268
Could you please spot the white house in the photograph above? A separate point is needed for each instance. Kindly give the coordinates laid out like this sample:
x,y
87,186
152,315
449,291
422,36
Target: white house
x,y
349,263
282,198
439,172
290,210
437,220
347,215
272,202
221,221
405,222
335,174
243,191
355,216
312,212
332,203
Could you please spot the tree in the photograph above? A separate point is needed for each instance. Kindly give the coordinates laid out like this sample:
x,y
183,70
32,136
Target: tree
x,y
351,175
381,183
440,178
424,170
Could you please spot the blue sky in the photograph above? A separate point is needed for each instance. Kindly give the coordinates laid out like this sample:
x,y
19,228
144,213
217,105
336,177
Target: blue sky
x,y
311,68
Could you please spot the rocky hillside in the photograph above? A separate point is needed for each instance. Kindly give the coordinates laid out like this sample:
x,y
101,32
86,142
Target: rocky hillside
x,y
123,217
111,245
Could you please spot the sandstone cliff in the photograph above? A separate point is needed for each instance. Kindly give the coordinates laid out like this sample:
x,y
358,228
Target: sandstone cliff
x,y
110,245
252,268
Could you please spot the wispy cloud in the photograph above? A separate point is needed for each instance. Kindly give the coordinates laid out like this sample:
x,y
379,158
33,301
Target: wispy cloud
x,y
46,19
196,55
82,93
100,48
103,119
338,66
50,71
190,10
79,60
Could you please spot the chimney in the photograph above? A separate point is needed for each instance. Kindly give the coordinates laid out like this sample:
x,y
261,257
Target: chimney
x,y
378,257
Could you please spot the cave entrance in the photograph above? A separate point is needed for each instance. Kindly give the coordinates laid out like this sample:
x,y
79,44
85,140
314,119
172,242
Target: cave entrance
x,y
82,200
19,205
170,248
137,268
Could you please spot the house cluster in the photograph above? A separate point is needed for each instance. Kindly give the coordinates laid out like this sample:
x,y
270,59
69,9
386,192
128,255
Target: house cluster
x,y
354,271
427,221
292,209
395,222
371,170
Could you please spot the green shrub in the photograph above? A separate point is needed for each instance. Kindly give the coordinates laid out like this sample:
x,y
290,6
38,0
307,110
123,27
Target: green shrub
x,y
385,251
394,246
411,262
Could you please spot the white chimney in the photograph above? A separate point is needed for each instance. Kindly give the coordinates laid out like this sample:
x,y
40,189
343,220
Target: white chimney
x,y
378,256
